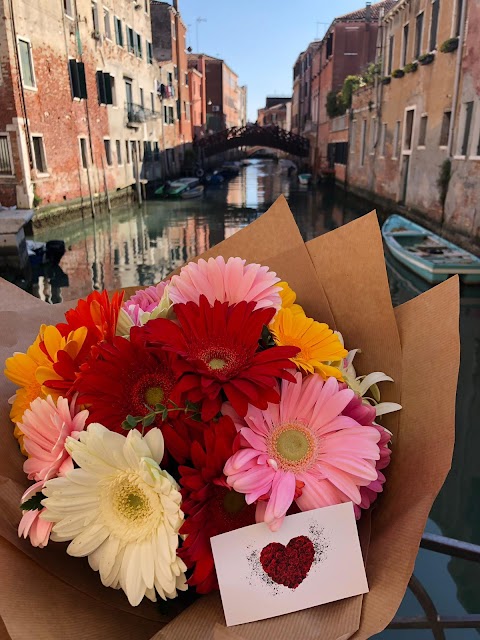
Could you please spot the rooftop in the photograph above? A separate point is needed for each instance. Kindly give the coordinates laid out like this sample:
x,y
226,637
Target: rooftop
x,y
361,15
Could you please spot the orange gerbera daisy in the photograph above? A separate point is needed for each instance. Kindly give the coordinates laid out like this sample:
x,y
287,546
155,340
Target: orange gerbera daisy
x,y
319,345
98,314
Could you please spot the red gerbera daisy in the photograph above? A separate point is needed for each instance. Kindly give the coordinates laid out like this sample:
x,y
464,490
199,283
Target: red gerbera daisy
x,y
98,313
219,344
127,379
210,506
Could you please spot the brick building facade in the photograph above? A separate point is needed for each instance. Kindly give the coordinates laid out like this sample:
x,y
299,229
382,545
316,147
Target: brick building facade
x,y
415,135
277,111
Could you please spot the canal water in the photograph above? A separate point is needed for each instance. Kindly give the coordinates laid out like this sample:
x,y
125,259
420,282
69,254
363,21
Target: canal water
x,y
140,246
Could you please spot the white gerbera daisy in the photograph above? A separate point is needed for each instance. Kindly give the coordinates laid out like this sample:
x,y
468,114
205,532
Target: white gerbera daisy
x,y
121,510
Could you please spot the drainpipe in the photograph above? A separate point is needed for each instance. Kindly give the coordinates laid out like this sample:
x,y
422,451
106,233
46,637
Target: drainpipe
x,y
458,70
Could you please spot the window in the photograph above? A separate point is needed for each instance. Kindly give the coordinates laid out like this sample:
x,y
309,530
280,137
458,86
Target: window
x,y
384,139
133,150
187,110
142,98
138,45
391,44
352,41
84,152
434,25
77,79
186,78
175,72
445,131
39,154
118,32
353,136
147,150
68,8
179,110
170,78
26,63
104,87
403,61
127,152
119,152
106,23
409,116
467,124
108,151
362,142
174,35
418,36
152,101
396,140
131,40
168,115
329,51
6,165
95,21
128,94
149,52
147,6
422,135
458,17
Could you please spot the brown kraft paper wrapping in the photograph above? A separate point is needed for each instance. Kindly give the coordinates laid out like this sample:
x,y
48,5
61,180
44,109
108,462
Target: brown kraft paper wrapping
x,y
340,279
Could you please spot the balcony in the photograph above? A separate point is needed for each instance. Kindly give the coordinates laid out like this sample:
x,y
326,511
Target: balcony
x,y
138,114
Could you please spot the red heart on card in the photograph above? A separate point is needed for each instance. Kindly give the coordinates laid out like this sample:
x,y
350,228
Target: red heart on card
x,y
288,565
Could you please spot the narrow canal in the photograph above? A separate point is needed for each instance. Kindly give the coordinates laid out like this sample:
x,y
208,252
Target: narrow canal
x,y
135,246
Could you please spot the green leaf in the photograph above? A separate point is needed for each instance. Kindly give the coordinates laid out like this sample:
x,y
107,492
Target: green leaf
x,y
149,420
159,407
126,426
132,421
35,502
165,414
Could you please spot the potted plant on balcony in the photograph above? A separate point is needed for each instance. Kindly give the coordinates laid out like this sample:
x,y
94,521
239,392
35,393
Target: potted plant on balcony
x,y
426,58
398,73
411,67
449,45
386,79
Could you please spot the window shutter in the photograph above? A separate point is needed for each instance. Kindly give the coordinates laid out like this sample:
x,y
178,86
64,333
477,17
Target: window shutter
x,y
74,80
108,88
82,79
101,88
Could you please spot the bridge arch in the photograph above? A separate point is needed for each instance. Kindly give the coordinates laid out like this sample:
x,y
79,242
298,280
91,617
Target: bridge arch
x,y
253,135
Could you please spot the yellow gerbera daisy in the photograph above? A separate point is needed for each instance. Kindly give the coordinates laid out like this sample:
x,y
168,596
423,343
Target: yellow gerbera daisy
x,y
318,343
288,297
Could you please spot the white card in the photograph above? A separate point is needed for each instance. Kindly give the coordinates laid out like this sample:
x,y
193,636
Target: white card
x,y
321,561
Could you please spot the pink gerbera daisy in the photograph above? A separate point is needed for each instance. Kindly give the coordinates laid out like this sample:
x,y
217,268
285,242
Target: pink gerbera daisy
x,y
46,426
232,281
365,414
144,301
303,449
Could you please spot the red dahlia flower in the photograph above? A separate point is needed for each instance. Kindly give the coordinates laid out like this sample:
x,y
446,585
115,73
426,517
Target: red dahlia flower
x,y
210,506
219,344
127,377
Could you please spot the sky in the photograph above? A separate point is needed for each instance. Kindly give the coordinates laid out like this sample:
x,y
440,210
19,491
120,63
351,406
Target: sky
x,y
260,39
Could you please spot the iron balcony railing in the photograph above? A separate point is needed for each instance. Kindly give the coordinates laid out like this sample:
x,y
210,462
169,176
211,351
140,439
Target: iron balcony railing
x,y
136,113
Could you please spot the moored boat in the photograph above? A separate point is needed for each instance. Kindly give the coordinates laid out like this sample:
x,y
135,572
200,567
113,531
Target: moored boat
x,y
304,178
194,192
428,255
178,187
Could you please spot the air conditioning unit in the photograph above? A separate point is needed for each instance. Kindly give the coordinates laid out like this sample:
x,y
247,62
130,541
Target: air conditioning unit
x,y
96,35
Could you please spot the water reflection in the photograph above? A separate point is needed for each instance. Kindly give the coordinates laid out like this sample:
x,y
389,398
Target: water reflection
x,y
141,246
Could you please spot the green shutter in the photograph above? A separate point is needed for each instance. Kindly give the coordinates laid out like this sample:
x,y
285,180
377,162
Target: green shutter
x,y
82,80
108,88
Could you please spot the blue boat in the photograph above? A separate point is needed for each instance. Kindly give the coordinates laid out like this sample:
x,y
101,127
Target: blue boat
x,y
431,257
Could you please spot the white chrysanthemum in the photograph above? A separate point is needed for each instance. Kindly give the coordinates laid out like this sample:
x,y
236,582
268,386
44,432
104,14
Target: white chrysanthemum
x,y
121,510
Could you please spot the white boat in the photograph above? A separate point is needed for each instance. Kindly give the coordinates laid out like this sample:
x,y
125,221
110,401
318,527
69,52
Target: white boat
x,y
194,192
431,257
304,178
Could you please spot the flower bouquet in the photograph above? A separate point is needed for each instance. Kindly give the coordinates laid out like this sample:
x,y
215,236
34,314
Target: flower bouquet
x,y
225,396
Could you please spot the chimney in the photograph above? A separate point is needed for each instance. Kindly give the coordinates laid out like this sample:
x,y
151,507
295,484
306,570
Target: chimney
x,y
175,5
368,12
